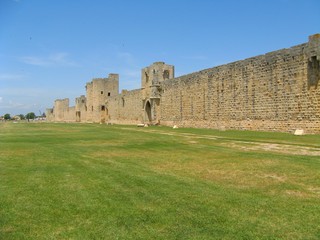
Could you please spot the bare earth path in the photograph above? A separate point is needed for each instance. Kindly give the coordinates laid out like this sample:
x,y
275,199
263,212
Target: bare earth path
x,y
285,148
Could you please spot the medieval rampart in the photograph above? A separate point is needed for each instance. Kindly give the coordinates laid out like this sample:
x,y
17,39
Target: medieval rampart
x,y
277,91
97,92
125,108
61,107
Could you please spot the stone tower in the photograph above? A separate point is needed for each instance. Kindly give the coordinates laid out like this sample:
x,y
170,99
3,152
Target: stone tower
x,y
81,108
151,79
61,109
313,53
97,92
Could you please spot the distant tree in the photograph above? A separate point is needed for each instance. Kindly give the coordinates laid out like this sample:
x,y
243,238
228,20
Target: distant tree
x,y
21,116
30,115
43,115
7,116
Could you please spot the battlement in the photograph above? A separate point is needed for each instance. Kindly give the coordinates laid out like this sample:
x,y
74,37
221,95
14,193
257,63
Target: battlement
x,y
158,63
314,37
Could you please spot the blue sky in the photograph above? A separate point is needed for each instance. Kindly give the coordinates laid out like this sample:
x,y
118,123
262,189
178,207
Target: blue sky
x,y
49,49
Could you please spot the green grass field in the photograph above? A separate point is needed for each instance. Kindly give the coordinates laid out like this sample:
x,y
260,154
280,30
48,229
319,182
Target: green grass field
x,y
90,181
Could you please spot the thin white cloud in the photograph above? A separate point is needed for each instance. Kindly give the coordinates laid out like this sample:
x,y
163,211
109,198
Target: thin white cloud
x,y
35,61
127,58
132,73
130,79
56,59
25,92
17,106
11,77
61,58
196,57
23,100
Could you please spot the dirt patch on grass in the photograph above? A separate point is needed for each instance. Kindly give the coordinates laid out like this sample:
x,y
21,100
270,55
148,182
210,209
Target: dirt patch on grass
x,y
235,174
99,143
250,175
239,144
296,193
275,177
274,147
108,154
4,153
315,190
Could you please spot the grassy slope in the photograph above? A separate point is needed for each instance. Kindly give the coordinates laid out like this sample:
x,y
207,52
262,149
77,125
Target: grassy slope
x,y
78,181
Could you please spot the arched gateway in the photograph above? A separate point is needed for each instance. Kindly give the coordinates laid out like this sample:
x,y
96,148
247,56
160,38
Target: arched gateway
x,y
147,110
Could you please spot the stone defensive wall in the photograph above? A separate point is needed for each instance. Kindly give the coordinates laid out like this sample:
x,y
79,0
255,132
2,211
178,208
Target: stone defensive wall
x,y
125,108
61,107
277,91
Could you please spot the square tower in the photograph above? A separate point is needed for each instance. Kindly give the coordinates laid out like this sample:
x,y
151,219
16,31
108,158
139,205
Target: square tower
x,y
151,79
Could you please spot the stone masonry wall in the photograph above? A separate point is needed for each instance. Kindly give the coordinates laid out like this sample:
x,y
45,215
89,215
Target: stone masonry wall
x,y
125,108
49,115
81,109
70,115
272,92
89,94
97,92
277,91
61,107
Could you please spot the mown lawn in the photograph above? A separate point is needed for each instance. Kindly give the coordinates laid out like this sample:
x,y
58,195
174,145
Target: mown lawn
x,y
90,181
